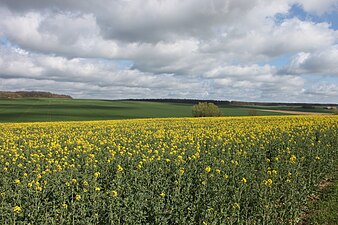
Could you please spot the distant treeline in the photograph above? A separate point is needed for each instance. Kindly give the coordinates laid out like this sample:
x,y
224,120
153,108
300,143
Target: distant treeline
x,y
234,103
186,101
30,94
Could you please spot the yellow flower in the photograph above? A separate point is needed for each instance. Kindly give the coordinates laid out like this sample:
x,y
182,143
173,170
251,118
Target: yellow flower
x,y
293,159
17,181
218,171
244,180
208,169
181,172
268,182
38,188
236,206
97,174
210,209
64,205
162,195
114,194
77,197
16,209
317,158
97,189
119,168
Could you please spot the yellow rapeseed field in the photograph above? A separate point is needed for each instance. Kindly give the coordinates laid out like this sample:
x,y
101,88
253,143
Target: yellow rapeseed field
x,y
249,170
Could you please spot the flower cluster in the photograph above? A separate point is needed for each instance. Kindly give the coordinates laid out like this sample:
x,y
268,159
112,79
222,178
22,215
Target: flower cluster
x,y
164,171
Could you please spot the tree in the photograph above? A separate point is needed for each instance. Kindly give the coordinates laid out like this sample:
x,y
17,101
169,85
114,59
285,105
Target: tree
x,y
205,109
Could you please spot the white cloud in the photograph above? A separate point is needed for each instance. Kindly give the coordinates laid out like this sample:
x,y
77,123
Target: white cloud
x,y
74,35
323,90
18,64
240,71
319,7
191,48
76,75
320,62
272,40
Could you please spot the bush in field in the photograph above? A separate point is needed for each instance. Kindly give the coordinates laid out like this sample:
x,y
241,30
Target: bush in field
x,y
205,109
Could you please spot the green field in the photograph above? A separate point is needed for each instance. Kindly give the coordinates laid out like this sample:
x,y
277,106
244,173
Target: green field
x,y
29,110
316,109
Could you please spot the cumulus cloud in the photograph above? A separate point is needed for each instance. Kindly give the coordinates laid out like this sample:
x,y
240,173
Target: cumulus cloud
x,y
193,48
319,7
17,63
320,62
322,90
64,34
83,75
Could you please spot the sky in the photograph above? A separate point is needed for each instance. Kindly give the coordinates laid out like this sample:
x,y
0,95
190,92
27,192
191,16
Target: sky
x,y
243,50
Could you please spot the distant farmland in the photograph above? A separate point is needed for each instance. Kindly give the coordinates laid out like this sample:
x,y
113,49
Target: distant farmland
x,y
44,109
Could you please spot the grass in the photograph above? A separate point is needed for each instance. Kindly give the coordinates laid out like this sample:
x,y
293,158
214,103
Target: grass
x,y
32,110
324,210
